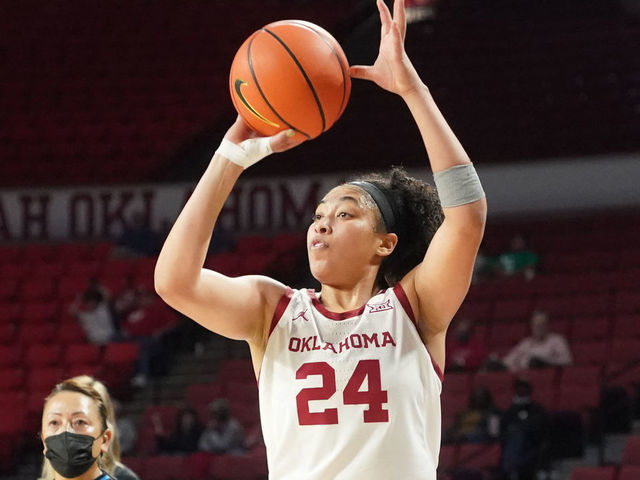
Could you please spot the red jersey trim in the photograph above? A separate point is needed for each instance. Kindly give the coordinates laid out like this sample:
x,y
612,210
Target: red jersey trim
x,y
404,301
333,315
283,303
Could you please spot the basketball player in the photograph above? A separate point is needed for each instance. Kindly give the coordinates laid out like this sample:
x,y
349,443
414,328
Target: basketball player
x,y
349,377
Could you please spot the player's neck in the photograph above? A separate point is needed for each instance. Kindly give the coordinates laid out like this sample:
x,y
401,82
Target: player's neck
x,y
340,299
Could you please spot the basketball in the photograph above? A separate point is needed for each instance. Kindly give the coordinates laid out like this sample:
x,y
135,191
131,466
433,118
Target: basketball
x,y
290,74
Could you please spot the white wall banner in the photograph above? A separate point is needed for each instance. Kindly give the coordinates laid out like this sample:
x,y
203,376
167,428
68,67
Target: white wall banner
x,y
89,213
268,205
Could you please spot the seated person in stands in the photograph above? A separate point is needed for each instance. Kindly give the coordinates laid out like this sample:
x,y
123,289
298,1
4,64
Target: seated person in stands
x,y
185,436
147,324
519,259
542,348
223,433
126,300
127,432
465,349
93,310
524,436
484,266
479,423
137,239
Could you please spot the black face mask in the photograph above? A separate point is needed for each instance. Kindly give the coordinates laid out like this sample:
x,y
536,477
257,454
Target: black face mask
x,y
70,453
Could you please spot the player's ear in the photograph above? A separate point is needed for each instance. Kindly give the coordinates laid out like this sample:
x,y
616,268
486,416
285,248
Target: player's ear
x,y
388,242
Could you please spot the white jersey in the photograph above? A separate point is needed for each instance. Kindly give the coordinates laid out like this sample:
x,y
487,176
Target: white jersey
x,y
349,396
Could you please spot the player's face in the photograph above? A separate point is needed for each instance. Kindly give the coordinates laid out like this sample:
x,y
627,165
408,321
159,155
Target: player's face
x,y
342,239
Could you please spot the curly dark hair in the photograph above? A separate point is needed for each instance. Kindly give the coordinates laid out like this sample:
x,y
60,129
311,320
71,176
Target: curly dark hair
x,y
418,214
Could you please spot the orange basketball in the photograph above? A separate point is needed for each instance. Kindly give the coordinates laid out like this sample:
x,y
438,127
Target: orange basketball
x,y
290,74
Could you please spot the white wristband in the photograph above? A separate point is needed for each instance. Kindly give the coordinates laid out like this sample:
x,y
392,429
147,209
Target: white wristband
x,y
247,153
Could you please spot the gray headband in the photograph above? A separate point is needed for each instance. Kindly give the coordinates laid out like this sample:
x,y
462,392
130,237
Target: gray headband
x,y
382,202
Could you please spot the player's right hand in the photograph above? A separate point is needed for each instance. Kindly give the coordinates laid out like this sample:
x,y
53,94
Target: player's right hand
x,y
280,142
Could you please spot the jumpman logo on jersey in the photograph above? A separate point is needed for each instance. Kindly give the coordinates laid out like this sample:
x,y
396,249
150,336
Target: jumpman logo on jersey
x,y
301,315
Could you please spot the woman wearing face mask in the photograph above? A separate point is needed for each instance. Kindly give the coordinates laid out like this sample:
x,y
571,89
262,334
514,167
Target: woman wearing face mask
x,y
75,432
111,461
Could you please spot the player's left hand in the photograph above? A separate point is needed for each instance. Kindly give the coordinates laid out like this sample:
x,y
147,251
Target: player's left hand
x,y
393,69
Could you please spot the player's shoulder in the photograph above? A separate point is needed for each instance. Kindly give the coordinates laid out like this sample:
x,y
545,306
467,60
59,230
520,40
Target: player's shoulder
x,y
269,289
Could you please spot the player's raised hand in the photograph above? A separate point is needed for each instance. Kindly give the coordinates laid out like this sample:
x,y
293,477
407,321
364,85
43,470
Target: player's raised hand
x,y
393,69
285,140
245,147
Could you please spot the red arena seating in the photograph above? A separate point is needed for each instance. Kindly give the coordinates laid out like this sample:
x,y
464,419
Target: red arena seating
x,y
238,467
165,467
33,334
37,289
593,473
578,397
478,456
81,354
448,457
629,472
70,332
121,353
626,327
39,355
11,379
40,312
44,378
10,355
631,451
625,350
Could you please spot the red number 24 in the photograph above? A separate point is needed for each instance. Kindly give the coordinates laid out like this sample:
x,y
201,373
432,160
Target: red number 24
x,y
374,396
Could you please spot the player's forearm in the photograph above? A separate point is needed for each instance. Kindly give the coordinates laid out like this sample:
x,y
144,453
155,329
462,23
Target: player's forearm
x,y
443,147
461,189
185,249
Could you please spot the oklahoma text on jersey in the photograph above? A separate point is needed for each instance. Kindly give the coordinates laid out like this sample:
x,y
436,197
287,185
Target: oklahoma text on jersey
x,y
355,340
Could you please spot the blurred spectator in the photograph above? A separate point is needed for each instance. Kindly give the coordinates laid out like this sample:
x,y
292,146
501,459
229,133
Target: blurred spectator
x,y
222,241
524,435
253,437
484,266
542,348
465,349
187,334
147,323
518,259
127,431
126,300
137,239
185,436
223,433
419,10
93,310
479,423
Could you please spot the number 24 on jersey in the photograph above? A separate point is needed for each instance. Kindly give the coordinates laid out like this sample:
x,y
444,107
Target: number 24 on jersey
x,y
374,396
